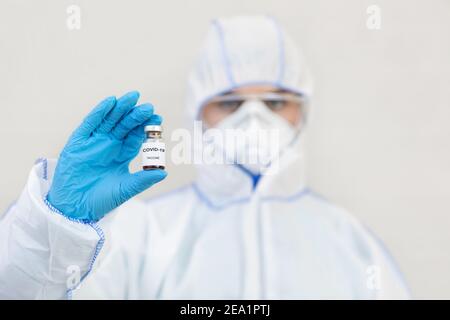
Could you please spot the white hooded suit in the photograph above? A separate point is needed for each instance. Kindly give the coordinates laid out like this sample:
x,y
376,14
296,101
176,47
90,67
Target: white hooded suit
x,y
225,236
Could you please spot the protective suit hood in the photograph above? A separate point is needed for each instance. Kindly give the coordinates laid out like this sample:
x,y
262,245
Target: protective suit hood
x,y
245,50
242,51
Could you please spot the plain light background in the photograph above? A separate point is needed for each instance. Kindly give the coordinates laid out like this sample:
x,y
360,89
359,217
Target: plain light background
x,y
378,139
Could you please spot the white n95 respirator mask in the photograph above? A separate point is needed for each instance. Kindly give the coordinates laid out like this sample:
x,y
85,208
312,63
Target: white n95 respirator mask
x,y
253,136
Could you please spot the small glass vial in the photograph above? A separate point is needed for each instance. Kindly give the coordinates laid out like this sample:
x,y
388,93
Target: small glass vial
x,y
153,149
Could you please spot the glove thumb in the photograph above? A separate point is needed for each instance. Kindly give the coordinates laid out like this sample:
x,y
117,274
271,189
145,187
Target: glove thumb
x,y
137,182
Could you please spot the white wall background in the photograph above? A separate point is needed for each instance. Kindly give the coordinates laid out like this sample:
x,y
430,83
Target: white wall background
x,y
378,141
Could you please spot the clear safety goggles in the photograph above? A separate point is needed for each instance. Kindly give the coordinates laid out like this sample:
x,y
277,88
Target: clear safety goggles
x,y
274,101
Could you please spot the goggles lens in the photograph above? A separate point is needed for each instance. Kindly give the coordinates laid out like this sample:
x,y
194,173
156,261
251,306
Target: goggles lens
x,y
229,103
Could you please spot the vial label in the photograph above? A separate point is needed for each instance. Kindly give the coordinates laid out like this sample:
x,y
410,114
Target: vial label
x,y
153,154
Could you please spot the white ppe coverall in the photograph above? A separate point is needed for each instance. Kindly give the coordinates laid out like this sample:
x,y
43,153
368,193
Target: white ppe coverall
x,y
227,235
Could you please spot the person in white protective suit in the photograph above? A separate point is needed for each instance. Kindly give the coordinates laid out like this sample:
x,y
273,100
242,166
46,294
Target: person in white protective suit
x,y
237,232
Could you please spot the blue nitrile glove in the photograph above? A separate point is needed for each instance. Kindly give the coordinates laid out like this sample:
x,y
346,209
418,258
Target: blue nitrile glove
x,y
92,175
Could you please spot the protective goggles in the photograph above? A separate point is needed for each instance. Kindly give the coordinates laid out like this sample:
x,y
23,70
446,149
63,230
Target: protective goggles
x,y
274,101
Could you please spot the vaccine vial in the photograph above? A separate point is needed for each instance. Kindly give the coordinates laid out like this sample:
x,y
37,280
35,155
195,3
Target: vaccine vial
x,y
153,149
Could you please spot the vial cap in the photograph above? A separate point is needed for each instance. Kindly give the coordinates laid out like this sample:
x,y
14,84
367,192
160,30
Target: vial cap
x,y
156,128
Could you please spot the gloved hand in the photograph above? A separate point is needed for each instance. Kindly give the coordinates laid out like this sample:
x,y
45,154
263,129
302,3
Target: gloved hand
x,y
92,176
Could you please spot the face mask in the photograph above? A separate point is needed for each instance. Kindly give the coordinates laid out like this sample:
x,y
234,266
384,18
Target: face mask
x,y
254,136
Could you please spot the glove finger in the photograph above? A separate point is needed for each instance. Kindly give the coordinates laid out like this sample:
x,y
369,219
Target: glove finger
x,y
136,137
95,117
138,182
137,116
123,105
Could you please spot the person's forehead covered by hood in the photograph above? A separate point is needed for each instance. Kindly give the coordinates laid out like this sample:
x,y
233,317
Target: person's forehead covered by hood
x,y
245,51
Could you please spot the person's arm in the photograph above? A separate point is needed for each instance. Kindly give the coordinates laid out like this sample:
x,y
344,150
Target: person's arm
x,y
51,233
384,277
39,247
